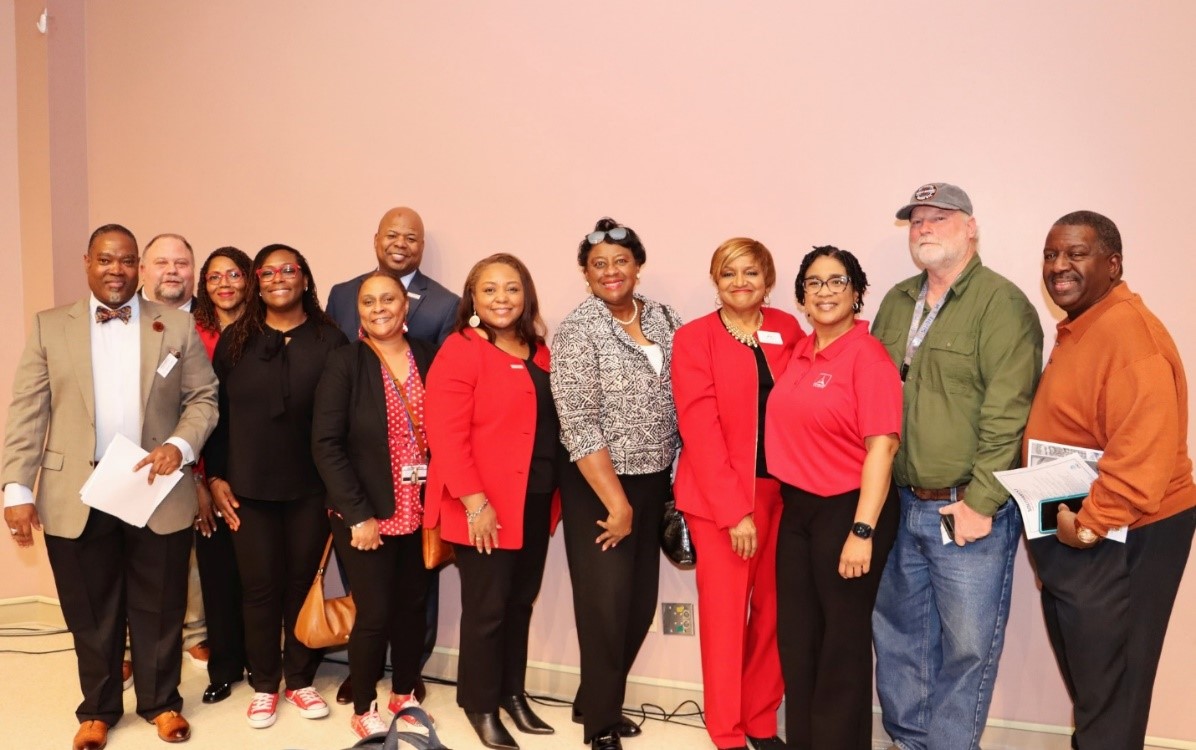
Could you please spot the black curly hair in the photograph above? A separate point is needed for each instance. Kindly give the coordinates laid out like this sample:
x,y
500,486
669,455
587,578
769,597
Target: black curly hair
x,y
859,280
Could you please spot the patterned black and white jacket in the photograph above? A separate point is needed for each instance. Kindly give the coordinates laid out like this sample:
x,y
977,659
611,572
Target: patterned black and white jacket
x,y
608,395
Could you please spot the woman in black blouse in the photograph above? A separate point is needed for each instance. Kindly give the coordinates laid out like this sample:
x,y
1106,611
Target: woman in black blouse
x,y
369,444
261,472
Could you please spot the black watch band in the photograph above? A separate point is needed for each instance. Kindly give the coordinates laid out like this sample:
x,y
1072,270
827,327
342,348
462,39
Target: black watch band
x,y
862,530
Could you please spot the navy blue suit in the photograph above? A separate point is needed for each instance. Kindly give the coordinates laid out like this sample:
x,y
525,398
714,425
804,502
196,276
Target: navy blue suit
x,y
431,310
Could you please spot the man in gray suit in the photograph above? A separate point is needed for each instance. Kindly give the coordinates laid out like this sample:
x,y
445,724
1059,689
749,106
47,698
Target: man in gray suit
x,y
106,365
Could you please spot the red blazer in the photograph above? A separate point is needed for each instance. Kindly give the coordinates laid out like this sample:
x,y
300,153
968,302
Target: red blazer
x,y
481,422
715,389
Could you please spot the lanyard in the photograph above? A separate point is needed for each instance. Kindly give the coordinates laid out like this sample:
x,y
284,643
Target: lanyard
x,y
415,425
917,334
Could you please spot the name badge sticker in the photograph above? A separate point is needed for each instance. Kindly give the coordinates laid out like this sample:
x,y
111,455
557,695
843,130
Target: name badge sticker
x,y
516,366
769,337
168,363
413,295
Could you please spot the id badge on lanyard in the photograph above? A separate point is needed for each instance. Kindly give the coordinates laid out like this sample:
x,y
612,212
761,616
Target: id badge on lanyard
x,y
917,333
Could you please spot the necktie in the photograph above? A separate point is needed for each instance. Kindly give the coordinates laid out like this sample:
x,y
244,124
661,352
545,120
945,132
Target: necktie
x,y
105,314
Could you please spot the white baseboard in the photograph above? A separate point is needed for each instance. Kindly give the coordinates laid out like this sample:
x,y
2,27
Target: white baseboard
x,y
31,611
555,680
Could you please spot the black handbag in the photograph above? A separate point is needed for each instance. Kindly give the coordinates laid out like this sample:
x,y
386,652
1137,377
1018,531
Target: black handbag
x,y
675,540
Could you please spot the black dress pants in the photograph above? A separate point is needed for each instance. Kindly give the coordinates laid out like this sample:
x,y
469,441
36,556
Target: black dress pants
x,y
114,575
497,593
389,585
614,592
278,549
824,621
1106,611
220,587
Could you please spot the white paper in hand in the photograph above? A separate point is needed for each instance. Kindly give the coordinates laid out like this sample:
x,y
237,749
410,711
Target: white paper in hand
x,y
119,491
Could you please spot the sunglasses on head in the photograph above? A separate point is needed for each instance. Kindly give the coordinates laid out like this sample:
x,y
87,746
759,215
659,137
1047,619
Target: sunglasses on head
x,y
618,234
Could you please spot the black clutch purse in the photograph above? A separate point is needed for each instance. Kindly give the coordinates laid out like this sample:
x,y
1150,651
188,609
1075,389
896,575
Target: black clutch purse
x,y
675,540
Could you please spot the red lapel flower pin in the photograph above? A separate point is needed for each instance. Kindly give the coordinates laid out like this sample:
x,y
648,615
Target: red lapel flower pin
x,y
158,326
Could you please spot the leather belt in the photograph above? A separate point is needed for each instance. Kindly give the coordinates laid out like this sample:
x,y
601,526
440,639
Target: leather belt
x,y
944,493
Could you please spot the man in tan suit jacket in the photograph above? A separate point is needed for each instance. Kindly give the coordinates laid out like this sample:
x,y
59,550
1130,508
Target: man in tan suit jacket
x,y
109,364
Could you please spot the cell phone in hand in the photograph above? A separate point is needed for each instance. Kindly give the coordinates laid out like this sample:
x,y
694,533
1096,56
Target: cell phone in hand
x,y
948,522
1048,511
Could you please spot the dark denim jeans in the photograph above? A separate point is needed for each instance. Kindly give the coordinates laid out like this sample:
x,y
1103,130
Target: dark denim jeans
x,y
939,627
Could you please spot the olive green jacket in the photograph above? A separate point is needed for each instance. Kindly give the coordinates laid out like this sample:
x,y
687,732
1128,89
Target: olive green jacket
x,y
969,386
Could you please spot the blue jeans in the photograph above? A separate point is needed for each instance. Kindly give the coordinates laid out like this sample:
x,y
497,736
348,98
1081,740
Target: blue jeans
x,y
939,627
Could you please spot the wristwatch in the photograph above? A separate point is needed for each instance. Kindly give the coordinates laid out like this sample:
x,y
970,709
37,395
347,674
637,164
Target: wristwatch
x,y
1085,534
862,530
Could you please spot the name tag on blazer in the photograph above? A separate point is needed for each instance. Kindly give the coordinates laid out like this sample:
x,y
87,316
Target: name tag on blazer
x,y
769,337
413,295
517,366
168,363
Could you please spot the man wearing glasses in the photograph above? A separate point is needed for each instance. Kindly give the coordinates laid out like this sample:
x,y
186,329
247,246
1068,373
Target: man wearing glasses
x,y
1114,383
431,312
968,345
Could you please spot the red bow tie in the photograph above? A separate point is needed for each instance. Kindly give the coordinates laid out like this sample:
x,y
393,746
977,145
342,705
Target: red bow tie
x,y
105,314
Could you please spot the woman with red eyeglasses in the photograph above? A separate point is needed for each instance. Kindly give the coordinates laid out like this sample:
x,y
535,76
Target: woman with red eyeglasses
x,y
262,475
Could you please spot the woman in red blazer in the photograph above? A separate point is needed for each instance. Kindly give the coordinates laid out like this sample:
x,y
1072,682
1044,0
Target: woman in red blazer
x,y
724,366
495,443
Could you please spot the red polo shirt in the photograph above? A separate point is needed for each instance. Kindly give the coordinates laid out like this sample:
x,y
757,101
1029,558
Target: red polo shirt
x,y
824,406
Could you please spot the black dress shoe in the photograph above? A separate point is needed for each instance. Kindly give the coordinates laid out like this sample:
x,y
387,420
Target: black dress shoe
x,y
421,690
766,743
625,728
217,692
491,731
608,740
344,694
523,716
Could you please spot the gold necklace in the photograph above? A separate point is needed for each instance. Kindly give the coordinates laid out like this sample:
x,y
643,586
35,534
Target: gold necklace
x,y
737,333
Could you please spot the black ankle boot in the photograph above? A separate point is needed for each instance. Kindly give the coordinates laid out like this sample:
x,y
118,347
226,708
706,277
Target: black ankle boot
x,y
521,713
491,731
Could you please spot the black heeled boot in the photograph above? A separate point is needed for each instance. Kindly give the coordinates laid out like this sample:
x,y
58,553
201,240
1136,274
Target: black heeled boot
x,y
491,731
523,716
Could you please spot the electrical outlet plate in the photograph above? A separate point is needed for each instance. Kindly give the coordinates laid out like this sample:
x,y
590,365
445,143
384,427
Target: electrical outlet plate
x,y
677,618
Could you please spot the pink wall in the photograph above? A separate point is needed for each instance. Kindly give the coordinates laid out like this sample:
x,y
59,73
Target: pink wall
x,y
513,126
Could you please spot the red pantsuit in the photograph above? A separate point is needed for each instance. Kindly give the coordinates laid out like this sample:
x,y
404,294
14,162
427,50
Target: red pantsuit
x,y
715,387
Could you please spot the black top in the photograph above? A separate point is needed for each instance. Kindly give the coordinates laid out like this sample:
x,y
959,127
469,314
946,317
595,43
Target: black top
x,y
546,444
350,434
262,444
764,376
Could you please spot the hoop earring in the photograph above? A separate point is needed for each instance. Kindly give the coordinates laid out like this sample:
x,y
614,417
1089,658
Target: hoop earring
x,y
855,306
474,320
766,301
718,301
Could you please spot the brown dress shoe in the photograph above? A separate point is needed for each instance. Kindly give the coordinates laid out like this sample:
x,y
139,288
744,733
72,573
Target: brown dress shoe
x,y
92,735
172,727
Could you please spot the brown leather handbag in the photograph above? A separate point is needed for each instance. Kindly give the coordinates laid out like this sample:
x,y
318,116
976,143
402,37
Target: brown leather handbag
x,y
325,622
437,552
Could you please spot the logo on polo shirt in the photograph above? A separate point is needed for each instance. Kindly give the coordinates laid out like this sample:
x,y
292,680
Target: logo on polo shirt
x,y
823,380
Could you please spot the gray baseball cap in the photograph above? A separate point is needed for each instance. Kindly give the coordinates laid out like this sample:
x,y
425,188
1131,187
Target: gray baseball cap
x,y
939,195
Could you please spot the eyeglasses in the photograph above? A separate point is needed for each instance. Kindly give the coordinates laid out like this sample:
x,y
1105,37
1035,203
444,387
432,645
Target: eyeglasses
x,y
618,234
233,276
813,284
286,270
